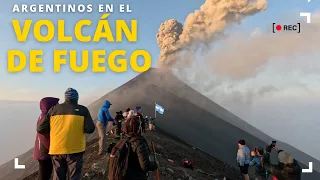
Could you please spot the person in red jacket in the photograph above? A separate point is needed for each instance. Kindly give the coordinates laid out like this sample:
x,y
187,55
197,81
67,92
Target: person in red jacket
x,y
42,143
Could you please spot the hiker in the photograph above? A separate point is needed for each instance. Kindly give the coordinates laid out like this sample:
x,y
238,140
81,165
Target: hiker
x,y
125,114
137,162
151,123
42,142
243,158
67,124
129,116
139,114
287,167
104,124
119,118
257,161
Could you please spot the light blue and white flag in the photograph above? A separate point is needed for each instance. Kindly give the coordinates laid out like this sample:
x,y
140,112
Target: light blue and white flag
x,y
159,109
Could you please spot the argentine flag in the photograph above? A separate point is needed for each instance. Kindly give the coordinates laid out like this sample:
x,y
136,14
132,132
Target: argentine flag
x,y
159,109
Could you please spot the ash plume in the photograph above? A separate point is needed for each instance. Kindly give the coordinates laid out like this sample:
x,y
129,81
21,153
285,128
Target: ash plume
x,y
202,26
242,58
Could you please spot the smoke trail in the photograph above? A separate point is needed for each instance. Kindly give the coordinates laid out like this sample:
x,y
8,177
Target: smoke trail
x,y
202,26
241,58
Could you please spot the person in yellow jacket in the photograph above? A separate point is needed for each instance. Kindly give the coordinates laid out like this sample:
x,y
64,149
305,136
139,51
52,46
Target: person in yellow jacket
x,y
67,124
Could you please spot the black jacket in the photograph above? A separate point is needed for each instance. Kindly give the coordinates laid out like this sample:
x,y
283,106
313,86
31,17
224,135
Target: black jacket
x,y
119,118
143,121
139,162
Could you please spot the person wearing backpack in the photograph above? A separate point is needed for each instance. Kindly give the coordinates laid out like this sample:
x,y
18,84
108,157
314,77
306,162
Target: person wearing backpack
x,y
129,158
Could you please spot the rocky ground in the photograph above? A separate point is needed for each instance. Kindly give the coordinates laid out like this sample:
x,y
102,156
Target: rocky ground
x,y
167,149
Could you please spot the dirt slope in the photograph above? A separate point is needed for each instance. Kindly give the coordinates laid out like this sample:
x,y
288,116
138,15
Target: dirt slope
x,y
206,167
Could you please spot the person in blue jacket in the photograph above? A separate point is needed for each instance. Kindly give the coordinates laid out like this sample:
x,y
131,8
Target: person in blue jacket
x,y
105,121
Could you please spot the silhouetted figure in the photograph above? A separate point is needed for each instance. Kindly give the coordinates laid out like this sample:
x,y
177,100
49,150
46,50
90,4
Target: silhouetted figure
x,y
119,118
139,114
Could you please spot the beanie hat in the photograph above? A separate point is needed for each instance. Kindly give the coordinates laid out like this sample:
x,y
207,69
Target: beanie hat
x,y
242,142
285,158
138,108
71,94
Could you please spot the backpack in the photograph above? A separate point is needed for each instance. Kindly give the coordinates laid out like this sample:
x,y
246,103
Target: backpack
x,y
119,159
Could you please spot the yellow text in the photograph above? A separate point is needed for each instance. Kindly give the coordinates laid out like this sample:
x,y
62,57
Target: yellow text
x,y
102,30
116,60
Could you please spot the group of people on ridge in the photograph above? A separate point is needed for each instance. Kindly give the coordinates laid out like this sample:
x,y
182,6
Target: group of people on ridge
x,y
61,142
286,169
106,124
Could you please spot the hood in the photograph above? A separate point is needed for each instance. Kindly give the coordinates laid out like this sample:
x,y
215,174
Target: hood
x,y
107,104
47,103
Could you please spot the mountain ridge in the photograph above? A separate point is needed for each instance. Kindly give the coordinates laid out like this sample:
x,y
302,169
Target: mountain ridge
x,y
192,112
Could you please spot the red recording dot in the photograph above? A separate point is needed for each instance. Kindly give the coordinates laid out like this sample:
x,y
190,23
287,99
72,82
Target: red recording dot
x,y
278,27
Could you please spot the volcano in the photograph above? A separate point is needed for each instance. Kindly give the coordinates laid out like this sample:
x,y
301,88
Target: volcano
x,y
189,116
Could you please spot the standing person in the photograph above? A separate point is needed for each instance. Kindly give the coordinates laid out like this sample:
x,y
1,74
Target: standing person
x,y
243,158
104,124
126,112
137,162
119,118
67,124
129,116
42,142
139,114
257,161
287,167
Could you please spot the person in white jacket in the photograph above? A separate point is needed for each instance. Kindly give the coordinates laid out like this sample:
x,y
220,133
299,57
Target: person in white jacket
x,y
243,158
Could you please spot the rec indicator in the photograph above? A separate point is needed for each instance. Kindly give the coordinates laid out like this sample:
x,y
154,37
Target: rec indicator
x,y
286,27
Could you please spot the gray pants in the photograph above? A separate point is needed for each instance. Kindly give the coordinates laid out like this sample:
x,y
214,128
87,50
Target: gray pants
x,y
69,163
102,136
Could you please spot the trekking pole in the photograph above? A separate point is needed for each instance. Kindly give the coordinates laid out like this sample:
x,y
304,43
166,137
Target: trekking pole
x,y
155,158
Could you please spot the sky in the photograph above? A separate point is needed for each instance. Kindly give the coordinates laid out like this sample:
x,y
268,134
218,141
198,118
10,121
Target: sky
x,y
266,115
33,86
